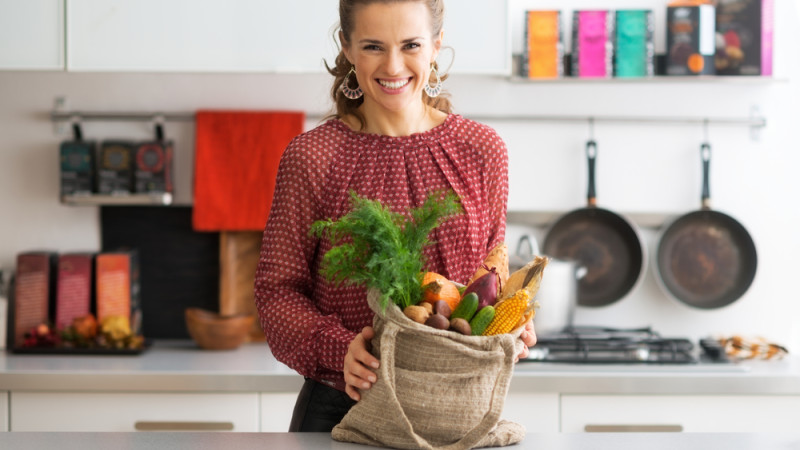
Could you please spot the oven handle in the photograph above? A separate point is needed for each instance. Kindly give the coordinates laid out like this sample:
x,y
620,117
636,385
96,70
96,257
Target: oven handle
x,y
633,428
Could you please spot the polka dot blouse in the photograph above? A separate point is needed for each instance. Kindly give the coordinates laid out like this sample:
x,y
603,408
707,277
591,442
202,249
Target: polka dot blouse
x,y
309,322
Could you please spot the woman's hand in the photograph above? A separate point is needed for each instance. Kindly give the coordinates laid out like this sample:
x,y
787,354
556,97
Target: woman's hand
x,y
528,337
357,362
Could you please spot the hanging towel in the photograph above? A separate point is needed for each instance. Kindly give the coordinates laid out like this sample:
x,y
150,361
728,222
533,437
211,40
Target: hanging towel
x,y
236,162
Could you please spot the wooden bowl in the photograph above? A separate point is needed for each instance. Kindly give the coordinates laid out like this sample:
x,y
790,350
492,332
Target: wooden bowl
x,y
212,331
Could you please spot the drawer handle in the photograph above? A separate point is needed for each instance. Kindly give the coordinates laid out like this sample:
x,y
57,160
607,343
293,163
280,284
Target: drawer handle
x,y
633,428
183,426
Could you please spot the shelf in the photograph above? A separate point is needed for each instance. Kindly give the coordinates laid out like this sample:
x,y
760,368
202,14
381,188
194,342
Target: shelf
x,y
545,219
724,79
118,200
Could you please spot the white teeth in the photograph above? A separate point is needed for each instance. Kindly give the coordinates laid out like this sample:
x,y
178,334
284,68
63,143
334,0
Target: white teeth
x,y
393,84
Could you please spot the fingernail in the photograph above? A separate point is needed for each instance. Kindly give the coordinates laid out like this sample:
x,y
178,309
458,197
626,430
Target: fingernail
x,y
365,385
371,378
375,364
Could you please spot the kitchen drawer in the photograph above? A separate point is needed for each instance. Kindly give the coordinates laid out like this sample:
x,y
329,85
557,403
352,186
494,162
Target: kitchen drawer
x,y
538,413
276,411
690,413
89,411
3,410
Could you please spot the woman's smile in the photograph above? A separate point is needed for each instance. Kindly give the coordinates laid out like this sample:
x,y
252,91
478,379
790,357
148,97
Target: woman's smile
x,y
394,85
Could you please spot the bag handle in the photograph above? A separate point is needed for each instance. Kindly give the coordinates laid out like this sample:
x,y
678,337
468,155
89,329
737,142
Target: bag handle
x,y
473,436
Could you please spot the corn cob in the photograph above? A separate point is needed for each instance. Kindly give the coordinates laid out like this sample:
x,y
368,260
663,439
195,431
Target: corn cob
x,y
508,313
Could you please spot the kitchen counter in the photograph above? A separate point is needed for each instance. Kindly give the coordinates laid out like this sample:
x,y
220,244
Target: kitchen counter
x,y
179,366
300,441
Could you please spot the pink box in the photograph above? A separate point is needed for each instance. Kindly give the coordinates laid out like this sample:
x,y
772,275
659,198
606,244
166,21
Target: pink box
x,y
592,44
74,291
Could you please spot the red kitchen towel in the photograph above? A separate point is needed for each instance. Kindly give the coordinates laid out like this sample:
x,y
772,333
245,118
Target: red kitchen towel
x,y
236,162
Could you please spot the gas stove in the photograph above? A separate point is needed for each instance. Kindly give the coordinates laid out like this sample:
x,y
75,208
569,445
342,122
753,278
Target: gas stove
x,y
601,345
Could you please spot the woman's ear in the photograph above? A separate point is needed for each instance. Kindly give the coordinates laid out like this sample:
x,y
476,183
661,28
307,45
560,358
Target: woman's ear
x,y
345,47
437,45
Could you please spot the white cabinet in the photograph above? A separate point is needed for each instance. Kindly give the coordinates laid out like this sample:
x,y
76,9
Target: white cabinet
x,y
96,411
276,411
538,413
32,34
689,413
200,35
254,36
3,410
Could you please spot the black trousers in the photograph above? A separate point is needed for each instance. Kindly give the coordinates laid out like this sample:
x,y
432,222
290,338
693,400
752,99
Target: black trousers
x,y
319,407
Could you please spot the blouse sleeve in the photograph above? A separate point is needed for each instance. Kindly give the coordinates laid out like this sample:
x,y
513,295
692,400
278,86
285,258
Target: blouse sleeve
x,y
298,334
496,188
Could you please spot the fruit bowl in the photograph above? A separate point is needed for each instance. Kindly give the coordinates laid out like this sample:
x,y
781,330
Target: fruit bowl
x,y
213,331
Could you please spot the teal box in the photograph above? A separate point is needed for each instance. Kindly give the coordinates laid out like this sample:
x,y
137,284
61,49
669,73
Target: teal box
x,y
77,167
634,54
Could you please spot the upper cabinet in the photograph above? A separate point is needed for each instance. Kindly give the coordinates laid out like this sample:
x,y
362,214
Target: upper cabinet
x,y
32,34
253,36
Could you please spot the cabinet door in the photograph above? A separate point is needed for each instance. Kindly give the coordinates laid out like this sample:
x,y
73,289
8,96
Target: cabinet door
x,y
712,413
477,31
276,411
32,34
538,413
3,410
200,35
91,411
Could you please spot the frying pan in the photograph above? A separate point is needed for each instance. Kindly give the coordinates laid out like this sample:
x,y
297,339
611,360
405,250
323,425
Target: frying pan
x,y
706,258
605,243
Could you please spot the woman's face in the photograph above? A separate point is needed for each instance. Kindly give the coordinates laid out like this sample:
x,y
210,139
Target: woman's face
x,y
392,49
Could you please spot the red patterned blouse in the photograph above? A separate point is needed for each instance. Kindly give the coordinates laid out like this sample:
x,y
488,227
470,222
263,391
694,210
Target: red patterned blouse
x,y
309,322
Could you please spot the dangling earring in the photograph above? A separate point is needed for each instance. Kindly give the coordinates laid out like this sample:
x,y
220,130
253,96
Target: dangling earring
x,y
348,92
433,91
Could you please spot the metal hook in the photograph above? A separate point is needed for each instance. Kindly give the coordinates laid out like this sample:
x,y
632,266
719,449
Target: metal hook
x,y
77,132
158,122
705,130
591,128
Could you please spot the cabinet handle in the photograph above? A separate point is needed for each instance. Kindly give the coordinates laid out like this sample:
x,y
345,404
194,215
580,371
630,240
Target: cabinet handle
x,y
183,426
633,428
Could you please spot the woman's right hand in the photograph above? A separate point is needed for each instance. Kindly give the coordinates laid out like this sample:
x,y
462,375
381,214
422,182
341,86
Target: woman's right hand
x,y
357,363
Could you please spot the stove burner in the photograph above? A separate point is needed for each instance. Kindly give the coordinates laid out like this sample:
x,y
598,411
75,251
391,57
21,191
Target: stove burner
x,y
610,345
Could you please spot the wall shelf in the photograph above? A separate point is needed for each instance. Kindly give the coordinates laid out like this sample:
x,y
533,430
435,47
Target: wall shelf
x,y
153,199
544,219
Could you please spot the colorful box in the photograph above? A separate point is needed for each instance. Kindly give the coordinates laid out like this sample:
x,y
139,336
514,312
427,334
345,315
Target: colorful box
x,y
592,44
634,51
117,286
153,162
690,40
74,288
543,56
115,168
34,292
77,167
744,37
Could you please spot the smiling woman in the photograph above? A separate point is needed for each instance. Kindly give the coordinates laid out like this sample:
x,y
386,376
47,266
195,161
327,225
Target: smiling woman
x,y
391,138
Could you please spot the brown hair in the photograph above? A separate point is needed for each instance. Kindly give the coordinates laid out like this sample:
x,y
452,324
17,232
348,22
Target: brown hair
x,y
344,106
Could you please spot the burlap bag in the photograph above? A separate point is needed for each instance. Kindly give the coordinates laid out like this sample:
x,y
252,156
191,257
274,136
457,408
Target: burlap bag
x,y
436,389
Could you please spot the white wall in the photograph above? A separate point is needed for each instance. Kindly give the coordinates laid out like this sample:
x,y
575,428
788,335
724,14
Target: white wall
x,y
641,168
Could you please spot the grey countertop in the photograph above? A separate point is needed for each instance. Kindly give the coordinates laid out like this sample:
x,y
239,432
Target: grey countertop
x,y
179,366
316,441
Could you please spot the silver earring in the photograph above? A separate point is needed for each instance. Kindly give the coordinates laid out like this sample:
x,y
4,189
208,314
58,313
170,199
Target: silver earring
x,y
433,91
349,92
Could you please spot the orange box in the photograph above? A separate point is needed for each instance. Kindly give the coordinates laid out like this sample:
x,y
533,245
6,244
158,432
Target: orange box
x,y
544,46
117,285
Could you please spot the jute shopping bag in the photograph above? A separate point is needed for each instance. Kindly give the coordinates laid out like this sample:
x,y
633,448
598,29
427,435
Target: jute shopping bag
x,y
436,389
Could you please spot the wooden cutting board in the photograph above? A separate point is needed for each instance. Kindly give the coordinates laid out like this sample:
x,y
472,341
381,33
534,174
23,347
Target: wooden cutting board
x,y
238,258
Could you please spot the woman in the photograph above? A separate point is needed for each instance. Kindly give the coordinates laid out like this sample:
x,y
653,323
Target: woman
x,y
393,139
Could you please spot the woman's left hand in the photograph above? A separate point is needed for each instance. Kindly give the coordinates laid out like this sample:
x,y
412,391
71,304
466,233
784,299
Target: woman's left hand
x,y
528,337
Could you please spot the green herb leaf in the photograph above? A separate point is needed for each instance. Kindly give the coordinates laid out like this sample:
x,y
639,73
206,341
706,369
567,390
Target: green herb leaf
x,y
381,248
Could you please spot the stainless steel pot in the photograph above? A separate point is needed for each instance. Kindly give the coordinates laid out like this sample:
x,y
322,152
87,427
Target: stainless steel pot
x,y
558,293
558,296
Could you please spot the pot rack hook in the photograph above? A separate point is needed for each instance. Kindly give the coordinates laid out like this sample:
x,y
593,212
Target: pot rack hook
x,y
77,132
705,130
158,123
591,129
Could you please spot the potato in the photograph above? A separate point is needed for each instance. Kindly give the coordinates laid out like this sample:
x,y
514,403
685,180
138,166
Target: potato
x,y
438,321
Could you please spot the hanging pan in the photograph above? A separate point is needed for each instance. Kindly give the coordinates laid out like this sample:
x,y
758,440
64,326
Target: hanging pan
x,y
706,259
605,243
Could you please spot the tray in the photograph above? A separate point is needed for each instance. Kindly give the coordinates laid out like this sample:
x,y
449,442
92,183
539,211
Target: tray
x,y
79,351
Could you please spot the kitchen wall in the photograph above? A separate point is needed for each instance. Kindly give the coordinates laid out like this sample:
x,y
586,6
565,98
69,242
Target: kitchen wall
x,y
640,169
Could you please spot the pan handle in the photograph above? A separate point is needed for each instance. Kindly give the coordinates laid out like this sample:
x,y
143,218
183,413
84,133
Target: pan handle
x,y
705,155
591,155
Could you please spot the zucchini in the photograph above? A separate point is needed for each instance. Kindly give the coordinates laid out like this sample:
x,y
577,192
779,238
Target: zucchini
x,y
466,307
481,320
